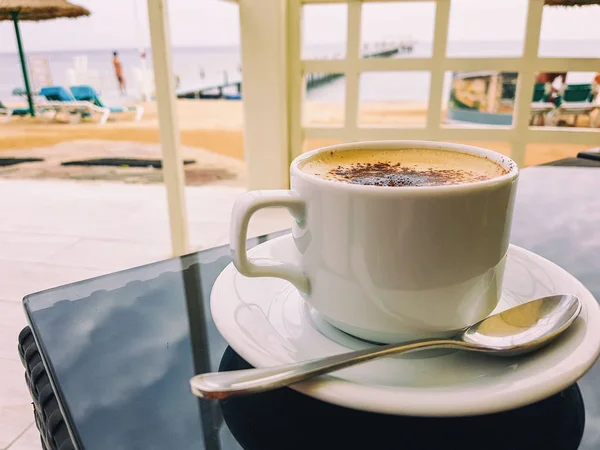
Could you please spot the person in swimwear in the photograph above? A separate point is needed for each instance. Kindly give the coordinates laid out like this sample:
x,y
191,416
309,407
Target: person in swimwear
x,y
551,78
119,73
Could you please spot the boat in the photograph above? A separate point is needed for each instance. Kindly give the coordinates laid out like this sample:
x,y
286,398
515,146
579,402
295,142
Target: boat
x,y
483,97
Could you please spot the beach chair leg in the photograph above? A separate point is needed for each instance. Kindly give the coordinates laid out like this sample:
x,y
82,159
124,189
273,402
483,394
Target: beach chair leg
x,y
8,113
139,112
104,117
595,122
75,118
591,122
551,118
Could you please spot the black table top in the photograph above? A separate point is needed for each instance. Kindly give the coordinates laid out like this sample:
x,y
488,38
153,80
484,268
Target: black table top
x,y
121,348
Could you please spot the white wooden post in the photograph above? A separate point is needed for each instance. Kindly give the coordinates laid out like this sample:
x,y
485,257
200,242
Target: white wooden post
x,y
440,40
352,71
169,129
518,135
525,82
264,68
295,78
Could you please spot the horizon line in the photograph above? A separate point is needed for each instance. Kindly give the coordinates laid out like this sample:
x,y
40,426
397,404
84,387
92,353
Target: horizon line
x,y
238,45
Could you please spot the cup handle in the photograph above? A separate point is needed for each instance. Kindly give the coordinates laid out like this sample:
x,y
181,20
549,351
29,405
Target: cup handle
x,y
246,205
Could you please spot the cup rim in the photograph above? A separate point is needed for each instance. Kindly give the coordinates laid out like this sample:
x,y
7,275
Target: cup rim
x,y
504,161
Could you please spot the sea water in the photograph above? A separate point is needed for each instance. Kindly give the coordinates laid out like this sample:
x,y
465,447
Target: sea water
x,y
195,66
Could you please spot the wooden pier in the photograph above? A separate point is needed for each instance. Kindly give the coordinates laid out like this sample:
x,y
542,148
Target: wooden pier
x,y
216,89
213,89
314,80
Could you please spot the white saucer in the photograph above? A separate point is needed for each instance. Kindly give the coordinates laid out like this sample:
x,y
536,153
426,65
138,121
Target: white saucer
x,y
267,323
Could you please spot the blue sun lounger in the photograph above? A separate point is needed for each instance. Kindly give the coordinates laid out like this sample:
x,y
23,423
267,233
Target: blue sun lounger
x,y
9,112
540,103
58,99
89,94
576,100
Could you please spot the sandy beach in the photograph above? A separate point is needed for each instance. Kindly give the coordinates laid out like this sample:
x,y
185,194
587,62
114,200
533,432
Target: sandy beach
x,y
212,127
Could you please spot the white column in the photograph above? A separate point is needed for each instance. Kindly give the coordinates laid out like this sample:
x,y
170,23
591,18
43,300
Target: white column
x,y
526,81
352,73
264,90
160,39
296,84
440,39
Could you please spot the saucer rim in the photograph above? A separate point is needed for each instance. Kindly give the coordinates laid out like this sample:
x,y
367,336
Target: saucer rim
x,y
377,398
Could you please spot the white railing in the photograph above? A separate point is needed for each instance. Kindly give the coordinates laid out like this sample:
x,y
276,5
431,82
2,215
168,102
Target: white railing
x,y
271,48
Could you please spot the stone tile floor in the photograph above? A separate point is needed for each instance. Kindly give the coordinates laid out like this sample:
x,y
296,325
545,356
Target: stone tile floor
x,y
54,232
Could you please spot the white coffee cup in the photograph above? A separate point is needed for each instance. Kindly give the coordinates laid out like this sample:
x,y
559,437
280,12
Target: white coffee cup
x,y
387,264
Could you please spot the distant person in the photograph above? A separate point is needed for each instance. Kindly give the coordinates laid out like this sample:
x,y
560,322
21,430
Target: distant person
x,y
550,77
119,73
556,80
596,87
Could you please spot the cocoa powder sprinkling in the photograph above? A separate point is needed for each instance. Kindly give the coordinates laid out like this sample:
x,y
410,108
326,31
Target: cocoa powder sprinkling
x,y
396,175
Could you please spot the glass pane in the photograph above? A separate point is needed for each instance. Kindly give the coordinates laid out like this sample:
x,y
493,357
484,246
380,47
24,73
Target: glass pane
x,y
486,28
324,31
393,98
482,98
397,29
313,144
570,32
324,99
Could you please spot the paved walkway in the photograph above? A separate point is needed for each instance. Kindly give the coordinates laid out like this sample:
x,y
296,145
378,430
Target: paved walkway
x,y
57,232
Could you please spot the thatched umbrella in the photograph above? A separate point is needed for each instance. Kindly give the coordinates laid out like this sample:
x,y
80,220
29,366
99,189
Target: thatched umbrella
x,y
35,10
572,2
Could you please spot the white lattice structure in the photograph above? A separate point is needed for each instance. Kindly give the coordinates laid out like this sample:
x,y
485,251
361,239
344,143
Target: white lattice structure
x,y
274,82
273,92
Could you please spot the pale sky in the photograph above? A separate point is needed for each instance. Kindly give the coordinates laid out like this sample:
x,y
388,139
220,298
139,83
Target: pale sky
x,y
116,24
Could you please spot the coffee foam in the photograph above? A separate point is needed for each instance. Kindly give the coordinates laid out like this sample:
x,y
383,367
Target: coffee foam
x,y
402,167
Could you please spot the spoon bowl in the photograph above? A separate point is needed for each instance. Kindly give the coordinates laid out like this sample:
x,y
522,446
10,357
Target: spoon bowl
x,y
521,329
526,327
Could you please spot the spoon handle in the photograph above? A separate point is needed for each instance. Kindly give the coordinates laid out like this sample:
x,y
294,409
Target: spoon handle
x,y
220,385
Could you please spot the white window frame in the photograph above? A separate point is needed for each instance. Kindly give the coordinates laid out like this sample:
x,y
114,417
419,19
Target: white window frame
x,y
273,93
518,135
